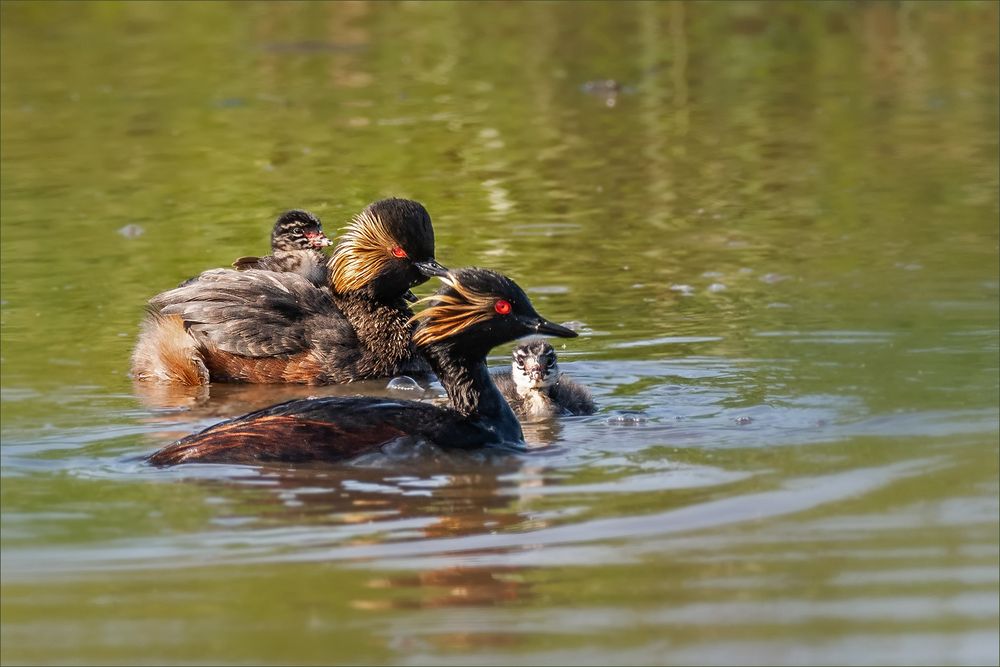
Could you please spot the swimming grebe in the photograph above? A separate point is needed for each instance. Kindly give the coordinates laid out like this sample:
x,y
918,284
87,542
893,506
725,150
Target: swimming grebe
x,y
536,389
476,310
262,326
295,248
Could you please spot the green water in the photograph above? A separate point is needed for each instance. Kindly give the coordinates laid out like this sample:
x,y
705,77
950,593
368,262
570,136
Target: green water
x,y
779,237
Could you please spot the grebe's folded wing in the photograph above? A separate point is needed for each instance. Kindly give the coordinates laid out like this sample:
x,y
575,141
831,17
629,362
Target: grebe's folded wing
x,y
322,429
247,263
249,313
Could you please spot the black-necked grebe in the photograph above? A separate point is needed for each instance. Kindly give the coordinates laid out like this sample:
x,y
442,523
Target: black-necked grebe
x,y
295,248
476,310
535,387
262,326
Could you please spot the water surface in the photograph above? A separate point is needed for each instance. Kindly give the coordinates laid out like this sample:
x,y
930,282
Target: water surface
x,y
777,232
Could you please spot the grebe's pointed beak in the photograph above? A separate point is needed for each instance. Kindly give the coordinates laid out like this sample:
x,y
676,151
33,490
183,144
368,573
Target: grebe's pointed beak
x,y
431,268
543,326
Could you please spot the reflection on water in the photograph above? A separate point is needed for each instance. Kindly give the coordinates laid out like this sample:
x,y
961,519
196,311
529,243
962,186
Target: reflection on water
x,y
774,226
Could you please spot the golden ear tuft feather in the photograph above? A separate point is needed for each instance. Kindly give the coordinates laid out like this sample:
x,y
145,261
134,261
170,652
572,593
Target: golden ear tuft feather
x,y
363,252
450,314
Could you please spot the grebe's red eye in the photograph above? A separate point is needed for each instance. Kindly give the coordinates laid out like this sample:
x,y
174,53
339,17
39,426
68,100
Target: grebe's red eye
x,y
398,252
502,307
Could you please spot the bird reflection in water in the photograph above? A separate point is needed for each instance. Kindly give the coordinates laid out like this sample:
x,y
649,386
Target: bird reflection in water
x,y
382,504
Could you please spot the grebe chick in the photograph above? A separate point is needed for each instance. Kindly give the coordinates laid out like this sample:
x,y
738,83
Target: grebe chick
x,y
536,389
475,310
265,327
295,248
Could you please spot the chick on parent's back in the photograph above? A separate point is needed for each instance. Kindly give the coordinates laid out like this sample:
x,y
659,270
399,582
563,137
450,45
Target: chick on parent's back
x,y
265,327
295,248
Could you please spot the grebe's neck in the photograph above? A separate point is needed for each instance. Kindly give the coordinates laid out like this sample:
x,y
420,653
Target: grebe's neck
x,y
383,329
471,388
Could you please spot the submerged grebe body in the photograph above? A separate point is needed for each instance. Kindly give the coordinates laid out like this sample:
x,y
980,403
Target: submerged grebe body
x,y
263,326
295,248
535,387
476,310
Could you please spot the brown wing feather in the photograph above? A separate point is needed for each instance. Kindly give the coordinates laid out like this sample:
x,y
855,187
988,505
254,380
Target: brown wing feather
x,y
275,438
247,263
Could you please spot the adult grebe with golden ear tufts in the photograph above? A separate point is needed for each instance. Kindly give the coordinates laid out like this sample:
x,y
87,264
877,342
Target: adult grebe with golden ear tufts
x,y
476,310
295,248
262,326
536,388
